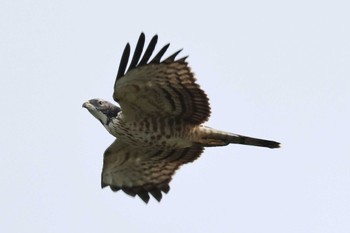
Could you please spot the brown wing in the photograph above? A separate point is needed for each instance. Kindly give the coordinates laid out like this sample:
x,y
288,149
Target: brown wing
x,y
159,88
143,171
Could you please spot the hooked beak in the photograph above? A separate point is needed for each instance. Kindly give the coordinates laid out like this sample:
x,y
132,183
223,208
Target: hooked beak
x,y
87,105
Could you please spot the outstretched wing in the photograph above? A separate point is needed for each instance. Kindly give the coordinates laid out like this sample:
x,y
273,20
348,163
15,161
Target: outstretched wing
x,y
143,171
163,88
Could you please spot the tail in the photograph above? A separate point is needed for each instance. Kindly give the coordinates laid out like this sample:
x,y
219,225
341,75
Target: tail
x,y
219,138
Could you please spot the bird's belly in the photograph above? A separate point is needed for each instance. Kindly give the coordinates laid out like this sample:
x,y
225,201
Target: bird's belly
x,y
164,133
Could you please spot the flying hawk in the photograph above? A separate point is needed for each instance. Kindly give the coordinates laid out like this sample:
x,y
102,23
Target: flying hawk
x,y
158,126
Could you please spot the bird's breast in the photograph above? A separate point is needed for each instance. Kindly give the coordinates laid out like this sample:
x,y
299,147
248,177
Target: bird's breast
x,y
153,132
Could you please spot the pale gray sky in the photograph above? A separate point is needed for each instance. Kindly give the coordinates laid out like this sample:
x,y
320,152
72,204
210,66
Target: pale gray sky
x,y
272,69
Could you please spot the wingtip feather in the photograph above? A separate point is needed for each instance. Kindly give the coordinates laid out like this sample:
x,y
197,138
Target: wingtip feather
x,y
123,61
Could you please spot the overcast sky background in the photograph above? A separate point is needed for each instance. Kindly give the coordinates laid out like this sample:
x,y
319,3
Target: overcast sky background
x,y
272,69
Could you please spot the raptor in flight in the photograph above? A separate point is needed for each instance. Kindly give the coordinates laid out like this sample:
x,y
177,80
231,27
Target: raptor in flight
x,y
158,126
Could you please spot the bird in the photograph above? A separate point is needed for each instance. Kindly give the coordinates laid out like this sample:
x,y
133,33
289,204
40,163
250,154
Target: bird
x,y
158,124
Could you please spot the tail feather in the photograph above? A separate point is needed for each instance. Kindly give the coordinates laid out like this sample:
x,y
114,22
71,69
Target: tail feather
x,y
220,138
239,139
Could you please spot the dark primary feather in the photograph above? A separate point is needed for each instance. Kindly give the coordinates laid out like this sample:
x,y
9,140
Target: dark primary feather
x,y
156,59
172,57
146,56
149,51
144,191
123,62
138,52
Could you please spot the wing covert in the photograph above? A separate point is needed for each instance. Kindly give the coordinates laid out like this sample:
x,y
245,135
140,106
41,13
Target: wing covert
x,y
143,171
163,88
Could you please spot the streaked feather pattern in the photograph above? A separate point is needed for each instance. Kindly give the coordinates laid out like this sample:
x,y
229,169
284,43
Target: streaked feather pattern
x,y
140,171
166,88
159,123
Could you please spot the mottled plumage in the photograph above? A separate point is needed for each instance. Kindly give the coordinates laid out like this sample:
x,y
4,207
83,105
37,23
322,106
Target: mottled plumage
x,y
158,126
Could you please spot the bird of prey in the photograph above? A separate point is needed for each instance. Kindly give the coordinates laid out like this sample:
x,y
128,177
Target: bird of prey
x,y
159,124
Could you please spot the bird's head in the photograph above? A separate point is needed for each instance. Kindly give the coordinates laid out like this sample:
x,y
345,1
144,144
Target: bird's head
x,y
103,110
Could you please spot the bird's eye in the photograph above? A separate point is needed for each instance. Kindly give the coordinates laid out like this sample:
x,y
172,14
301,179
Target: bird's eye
x,y
100,102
